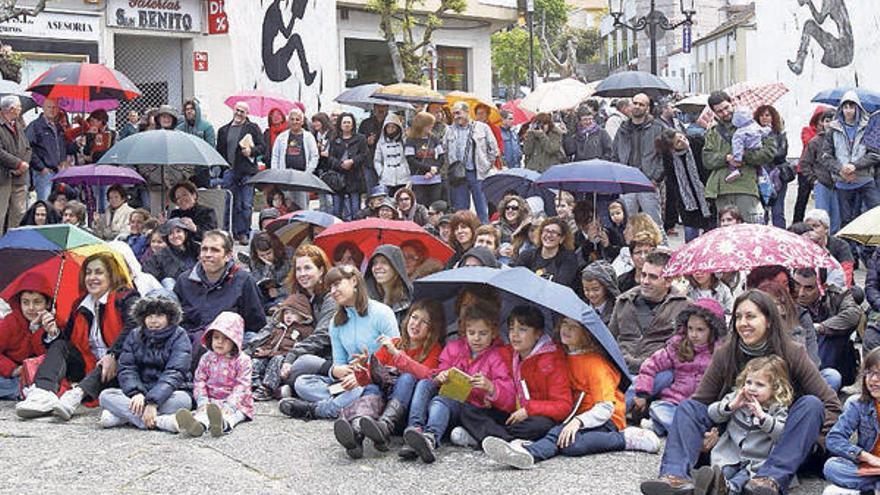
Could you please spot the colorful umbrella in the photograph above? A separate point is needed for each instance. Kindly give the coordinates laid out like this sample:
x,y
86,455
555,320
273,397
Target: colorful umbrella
x,y
865,229
595,176
745,247
79,87
98,175
520,115
260,102
870,99
518,286
293,228
373,232
409,93
473,100
630,83
556,95
55,251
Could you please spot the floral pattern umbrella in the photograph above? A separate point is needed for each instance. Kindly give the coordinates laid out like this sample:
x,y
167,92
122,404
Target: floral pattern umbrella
x,y
745,247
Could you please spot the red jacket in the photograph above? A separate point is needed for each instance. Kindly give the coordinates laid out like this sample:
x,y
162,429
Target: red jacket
x,y
112,324
544,373
17,342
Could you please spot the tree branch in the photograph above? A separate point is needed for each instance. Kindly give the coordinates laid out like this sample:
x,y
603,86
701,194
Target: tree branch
x,y
8,10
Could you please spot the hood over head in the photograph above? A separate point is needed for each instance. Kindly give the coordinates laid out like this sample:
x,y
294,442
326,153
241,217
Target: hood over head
x,y
168,110
299,304
146,306
32,282
604,273
230,325
198,108
743,117
482,253
268,214
861,114
394,119
395,257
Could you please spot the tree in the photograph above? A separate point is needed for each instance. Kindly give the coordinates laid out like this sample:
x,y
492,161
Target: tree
x,y
409,54
510,56
10,9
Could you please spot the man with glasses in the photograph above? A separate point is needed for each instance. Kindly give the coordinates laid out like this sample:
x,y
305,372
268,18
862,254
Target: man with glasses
x,y
240,142
472,146
15,155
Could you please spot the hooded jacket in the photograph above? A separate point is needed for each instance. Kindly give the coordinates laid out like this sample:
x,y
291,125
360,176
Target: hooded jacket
x,y
155,363
493,362
199,127
17,340
394,256
603,272
171,261
225,380
542,150
838,150
29,217
171,112
389,161
541,381
487,258
634,145
277,339
811,164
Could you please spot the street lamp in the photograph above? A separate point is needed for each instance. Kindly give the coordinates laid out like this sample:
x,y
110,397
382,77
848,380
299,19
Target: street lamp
x,y
653,21
530,14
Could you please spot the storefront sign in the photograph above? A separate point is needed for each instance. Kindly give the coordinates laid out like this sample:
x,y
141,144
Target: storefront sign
x,y
53,25
218,23
200,61
181,16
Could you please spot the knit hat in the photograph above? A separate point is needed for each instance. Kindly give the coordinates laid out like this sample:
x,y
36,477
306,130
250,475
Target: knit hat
x,y
710,305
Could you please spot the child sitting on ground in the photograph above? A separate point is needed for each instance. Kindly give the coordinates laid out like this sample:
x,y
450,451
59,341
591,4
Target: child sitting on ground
x,y
705,284
749,135
154,370
687,355
222,382
290,323
599,412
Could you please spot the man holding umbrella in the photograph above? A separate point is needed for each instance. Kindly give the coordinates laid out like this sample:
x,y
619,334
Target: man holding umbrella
x,y
15,155
49,148
240,142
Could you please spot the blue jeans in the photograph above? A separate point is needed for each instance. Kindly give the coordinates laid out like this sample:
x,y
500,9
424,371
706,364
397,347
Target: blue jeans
x,y
843,473
605,438
242,204
115,401
661,381
649,202
418,410
692,420
826,199
404,389
852,200
832,378
316,388
777,211
346,206
661,413
691,233
43,184
443,413
9,388
461,195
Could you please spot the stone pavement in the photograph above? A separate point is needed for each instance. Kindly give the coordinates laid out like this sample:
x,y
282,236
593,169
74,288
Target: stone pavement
x,y
275,454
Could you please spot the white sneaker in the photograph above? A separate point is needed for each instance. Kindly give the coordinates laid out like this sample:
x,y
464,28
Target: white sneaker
x,y
67,404
167,422
110,420
641,439
507,453
286,391
836,490
39,402
459,436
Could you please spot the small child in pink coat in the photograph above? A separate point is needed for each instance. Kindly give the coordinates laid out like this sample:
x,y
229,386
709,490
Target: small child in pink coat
x,y
687,354
222,381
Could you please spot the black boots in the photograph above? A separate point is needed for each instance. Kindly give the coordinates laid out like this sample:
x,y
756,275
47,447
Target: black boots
x,y
380,430
297,408
349,435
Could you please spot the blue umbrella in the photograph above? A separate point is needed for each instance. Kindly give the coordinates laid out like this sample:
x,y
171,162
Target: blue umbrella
x,y
870,99
521,286
519,180
595,176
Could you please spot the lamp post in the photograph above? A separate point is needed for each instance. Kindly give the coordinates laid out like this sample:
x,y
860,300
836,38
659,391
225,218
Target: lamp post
x,y
653,21
530,18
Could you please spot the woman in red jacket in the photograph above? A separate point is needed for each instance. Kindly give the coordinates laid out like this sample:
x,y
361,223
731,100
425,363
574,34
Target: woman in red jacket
x,y
86,350
543,391
22,331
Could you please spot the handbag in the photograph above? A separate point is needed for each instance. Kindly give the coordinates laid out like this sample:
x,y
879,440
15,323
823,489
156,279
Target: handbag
x,y
457,172
334,180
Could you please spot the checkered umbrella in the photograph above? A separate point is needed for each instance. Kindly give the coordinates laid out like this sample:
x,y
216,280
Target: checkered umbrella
x,y
749,95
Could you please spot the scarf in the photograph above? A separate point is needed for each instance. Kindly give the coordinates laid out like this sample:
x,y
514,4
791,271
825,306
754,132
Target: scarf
x,y
585,132
689,183
756,351
275,130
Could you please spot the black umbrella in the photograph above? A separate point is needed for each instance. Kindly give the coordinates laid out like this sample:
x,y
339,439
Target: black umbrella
x,y
12,88
630,83
290,180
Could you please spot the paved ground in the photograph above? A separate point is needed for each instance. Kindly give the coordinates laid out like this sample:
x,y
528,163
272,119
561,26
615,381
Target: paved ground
x,y
274,454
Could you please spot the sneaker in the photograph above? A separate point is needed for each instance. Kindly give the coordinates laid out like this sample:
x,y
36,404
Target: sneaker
x,y
421,443
215,420
507,453
39,402
187,424
167,422
732,176
406,453
110,420
667,485
641,439
262,394
460,437
66,406
761,486
838,490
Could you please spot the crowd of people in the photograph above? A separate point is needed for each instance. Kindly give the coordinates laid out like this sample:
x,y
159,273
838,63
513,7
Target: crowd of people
x,y
743,372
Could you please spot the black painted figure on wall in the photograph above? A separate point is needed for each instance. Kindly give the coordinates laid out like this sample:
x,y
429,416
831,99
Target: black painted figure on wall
x,y
838,51
277,63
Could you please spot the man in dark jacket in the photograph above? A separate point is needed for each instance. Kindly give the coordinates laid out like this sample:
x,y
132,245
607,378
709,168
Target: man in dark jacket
x,y
371,129
589,141
49,149
241,154
817,175
634,146
15,155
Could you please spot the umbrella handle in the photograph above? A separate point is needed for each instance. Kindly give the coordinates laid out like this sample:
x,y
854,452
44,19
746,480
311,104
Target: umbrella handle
x,y
58,282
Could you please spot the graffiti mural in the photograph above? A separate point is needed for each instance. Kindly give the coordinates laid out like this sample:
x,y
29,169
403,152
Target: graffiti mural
x,y
277,62
837,50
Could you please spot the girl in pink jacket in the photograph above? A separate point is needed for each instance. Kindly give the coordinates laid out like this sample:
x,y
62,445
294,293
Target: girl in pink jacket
x,y
222,382
481,354
687,355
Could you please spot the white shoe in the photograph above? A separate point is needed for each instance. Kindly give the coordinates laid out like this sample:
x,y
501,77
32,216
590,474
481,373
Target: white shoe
x,y
67,404
506,453
641,439
459,436
836,490
38,403
167,422
286,391
110,420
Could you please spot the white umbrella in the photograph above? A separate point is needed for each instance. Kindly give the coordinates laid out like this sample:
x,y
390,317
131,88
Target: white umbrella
x,y
693,104
556,95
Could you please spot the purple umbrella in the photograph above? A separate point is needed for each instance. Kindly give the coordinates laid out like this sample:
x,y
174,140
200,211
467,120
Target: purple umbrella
x,y
73,105
98,175
261,102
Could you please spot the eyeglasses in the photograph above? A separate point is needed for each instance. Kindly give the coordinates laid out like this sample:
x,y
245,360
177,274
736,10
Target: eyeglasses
x,y
872,375
240,111
553,232
432,213
511,208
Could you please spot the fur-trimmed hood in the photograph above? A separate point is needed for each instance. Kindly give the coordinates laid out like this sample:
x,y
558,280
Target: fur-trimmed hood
x,y
156,305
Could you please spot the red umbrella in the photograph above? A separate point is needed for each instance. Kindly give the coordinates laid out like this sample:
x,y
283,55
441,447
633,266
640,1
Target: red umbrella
x,y
370,233
744,247
83,84
520,115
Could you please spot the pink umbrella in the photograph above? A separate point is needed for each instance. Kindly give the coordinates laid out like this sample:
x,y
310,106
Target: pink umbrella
x,y
261,102
520,115
744,247
748,95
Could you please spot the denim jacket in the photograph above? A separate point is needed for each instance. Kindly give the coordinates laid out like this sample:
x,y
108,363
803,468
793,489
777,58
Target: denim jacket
x,y
859,416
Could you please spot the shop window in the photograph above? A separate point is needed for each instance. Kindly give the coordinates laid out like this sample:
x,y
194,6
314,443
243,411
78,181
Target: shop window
x,y
367,61
452,69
